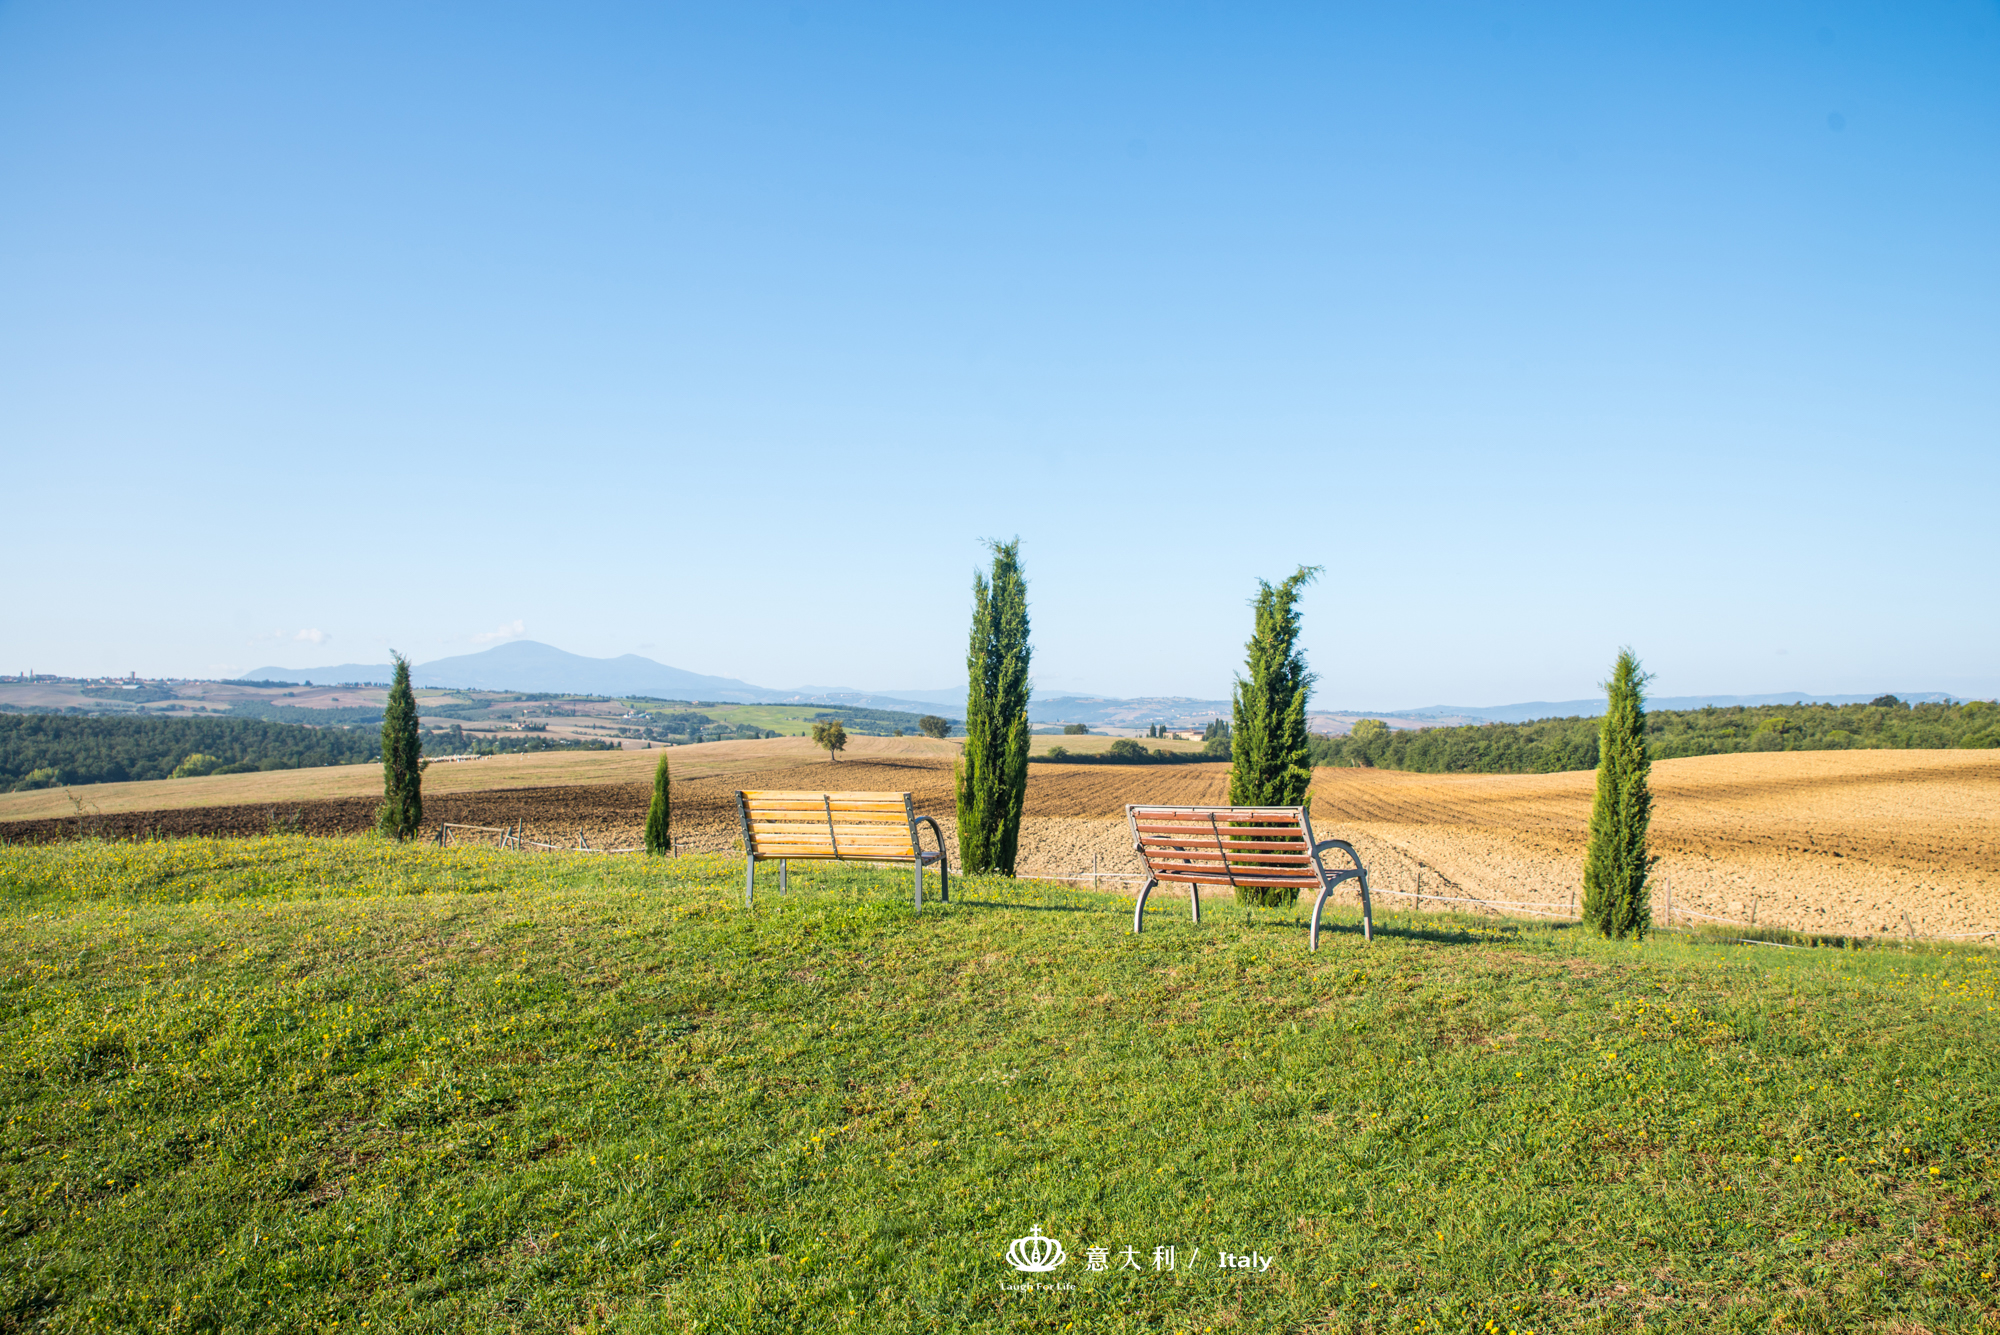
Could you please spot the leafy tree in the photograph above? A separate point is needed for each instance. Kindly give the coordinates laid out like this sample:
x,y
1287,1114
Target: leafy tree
x,y
828,734
40,778
659,816
930,725
402,810
89,749
1075,730
1615,898
1215,739
992,772
1271,756
196,766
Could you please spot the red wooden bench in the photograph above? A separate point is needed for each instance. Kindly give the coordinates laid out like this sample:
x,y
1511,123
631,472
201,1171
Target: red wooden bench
x,y
1232,846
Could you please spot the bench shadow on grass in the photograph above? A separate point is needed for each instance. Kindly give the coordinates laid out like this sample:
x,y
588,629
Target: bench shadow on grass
x,y
1064,899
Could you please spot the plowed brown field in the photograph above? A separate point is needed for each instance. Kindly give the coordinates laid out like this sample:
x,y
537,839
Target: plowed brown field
x,y
1848,841
1838,841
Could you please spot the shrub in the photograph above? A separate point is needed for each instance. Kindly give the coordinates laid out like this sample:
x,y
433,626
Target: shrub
x,y
659,815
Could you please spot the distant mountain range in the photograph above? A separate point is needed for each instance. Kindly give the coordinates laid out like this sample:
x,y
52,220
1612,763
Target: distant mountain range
x,y
525,665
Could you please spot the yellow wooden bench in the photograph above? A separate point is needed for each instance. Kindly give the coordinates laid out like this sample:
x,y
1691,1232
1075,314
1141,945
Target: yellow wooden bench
x,y
844,827
1232,846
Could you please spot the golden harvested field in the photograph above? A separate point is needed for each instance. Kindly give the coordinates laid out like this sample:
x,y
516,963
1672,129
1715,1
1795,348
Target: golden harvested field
x,y
510,771
1841,841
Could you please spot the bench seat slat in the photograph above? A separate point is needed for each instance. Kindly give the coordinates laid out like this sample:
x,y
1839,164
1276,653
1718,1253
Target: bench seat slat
x,y
820,809
1218,813
780,795
1288,852
1300,881
841,832
1268,833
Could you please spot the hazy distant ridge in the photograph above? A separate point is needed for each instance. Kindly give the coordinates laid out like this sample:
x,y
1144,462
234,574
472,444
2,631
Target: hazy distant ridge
x,y
525,665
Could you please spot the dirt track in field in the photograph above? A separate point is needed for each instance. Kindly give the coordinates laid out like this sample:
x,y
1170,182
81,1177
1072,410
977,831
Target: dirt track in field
x,y
1842,841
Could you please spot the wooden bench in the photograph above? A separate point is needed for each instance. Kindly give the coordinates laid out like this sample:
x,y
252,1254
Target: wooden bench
x,y
1232,846
840,827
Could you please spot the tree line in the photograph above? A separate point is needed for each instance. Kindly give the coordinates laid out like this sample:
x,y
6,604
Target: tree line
x,y
49,750
1546,746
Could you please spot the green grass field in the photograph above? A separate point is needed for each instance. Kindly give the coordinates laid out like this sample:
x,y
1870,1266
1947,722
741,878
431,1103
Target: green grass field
x,y
295,1084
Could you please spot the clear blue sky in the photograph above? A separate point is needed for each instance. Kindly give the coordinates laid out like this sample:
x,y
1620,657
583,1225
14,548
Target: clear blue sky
x,y
724,334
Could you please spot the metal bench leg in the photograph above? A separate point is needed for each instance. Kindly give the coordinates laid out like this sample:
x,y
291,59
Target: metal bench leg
x,y
943,858
920,882
784,875
1318,904
1194,901
1139,909
749,880
1367,910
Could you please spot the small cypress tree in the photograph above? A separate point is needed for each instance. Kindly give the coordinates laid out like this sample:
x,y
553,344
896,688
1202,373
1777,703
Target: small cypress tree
x,y
1615,898
1270,754
402,810
659,816
992,772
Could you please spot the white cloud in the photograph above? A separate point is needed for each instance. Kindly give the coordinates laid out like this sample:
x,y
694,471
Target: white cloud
x,y
506,632
313,636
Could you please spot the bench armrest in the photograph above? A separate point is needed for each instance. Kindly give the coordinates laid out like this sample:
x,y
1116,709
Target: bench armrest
x,y
1340,844
944,857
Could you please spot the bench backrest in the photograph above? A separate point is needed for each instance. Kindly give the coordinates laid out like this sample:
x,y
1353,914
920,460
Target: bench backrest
x,y
1263,846
845,826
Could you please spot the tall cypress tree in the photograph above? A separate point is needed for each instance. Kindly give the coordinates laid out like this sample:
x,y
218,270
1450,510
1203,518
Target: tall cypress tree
x,y
659,816
402,810
993,767
1615,897
1270,756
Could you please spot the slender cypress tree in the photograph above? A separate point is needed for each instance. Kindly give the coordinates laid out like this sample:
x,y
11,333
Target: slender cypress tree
x,y
402,810
1615,897
659,816
1270,757
993,767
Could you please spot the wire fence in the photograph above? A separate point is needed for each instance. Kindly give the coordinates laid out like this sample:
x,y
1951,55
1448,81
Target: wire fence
x,y
510,836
